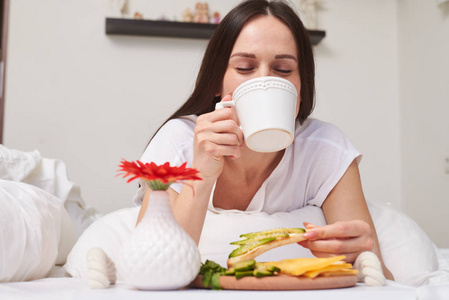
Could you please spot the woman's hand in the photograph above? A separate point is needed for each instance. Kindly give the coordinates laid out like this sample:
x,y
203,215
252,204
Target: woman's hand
x,y
217,135
349,238
351,229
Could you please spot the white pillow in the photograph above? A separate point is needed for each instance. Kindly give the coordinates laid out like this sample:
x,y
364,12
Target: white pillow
x,y
220,230
15,165
30,222
67,239
50,175
406,249
110,231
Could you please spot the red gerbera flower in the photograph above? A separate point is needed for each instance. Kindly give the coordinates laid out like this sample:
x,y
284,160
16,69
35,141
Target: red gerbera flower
x,y
157,177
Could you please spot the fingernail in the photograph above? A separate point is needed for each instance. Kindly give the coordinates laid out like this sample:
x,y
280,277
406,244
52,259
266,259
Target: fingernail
x,y
310,235
310,226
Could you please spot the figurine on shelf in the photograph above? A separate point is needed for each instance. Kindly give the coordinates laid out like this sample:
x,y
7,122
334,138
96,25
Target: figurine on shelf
x,y
187,16
308,7
216,17
201,13
138,16
118,8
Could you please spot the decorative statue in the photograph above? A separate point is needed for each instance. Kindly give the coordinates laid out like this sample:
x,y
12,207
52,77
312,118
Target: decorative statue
x,y
187,15
138,16
308,7
217,17
118,8
201,13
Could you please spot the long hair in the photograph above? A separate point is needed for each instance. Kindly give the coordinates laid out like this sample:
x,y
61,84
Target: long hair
x,y
218,52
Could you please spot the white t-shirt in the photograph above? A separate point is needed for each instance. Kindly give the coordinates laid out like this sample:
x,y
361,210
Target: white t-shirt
x,y
310,168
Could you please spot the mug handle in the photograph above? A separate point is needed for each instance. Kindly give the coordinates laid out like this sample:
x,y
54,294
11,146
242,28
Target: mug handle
x,y
224,104
220,105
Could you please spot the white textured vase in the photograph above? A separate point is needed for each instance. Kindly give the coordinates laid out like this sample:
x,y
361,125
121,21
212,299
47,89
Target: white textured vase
x,y
159,255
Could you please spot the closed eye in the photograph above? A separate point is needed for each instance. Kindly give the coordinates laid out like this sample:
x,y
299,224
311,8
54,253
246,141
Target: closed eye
x,y
244,69
283,71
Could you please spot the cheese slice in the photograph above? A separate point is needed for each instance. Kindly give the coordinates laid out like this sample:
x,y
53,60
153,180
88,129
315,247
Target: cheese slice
x,y
332,269
299,266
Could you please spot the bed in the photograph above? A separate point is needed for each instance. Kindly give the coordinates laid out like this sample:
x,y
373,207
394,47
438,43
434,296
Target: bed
x,y
44,208
75,288
72,288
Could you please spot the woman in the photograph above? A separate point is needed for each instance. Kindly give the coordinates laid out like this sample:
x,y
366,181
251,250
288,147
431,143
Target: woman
x,y
262,38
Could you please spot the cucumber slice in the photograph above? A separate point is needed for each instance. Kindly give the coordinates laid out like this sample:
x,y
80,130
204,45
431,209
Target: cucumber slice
x,y
239,275
261,273
274,231
245,265
230,272
250,246
273,269
259,237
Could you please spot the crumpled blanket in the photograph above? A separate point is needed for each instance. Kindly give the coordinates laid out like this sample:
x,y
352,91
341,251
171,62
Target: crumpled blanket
x,y
51,176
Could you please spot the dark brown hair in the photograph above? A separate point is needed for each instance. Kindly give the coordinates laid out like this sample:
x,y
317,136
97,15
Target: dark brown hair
x,y
218,51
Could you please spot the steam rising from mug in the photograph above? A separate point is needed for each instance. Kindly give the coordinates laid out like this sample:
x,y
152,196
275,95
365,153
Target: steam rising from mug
x,y
266,108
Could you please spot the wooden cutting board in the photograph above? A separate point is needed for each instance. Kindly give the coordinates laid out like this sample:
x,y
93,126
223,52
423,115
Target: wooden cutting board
x,y
281,282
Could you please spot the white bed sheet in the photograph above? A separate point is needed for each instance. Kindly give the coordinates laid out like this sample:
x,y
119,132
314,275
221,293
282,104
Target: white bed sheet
x,y
73,288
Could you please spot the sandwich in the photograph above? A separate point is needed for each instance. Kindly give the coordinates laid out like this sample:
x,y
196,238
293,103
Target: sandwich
x,y
254,244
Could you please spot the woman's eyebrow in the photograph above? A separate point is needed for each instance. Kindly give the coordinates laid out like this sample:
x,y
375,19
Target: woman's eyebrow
x,y
288,56
243,54
251,55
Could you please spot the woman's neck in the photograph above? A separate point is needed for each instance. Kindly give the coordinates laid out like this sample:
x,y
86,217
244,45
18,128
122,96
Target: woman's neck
x,y
251,165
242,178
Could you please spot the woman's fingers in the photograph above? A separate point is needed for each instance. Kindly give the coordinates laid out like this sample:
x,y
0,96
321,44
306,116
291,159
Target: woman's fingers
x,y
217,135
227,133
351,247
341,238
217,151
339,230
340,245
220,139
221,121
308,225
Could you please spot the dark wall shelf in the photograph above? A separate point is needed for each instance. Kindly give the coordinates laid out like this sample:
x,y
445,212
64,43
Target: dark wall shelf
x,y
175,29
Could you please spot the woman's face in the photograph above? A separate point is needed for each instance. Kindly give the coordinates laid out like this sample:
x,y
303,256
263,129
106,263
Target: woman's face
x,y
264,47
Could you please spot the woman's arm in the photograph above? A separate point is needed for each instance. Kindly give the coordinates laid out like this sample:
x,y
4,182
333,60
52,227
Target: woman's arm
x,y
189,206
216,136
350,229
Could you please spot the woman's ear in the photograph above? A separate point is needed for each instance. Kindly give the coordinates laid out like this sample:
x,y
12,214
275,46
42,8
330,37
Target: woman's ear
x,y
217,97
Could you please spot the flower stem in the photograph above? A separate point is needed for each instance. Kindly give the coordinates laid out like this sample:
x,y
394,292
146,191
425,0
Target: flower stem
x,y
157,185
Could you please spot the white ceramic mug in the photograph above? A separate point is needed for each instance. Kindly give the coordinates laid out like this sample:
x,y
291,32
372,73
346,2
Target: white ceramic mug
x,y
266,108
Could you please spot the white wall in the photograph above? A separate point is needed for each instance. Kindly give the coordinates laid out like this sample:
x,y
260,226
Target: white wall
x,y
424,93
357,87
87,98
90,99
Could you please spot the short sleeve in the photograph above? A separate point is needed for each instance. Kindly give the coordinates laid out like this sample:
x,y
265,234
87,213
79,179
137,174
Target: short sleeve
x,y
330,153
173,144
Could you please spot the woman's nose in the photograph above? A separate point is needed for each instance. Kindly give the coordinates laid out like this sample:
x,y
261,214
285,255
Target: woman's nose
x,y
264,71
